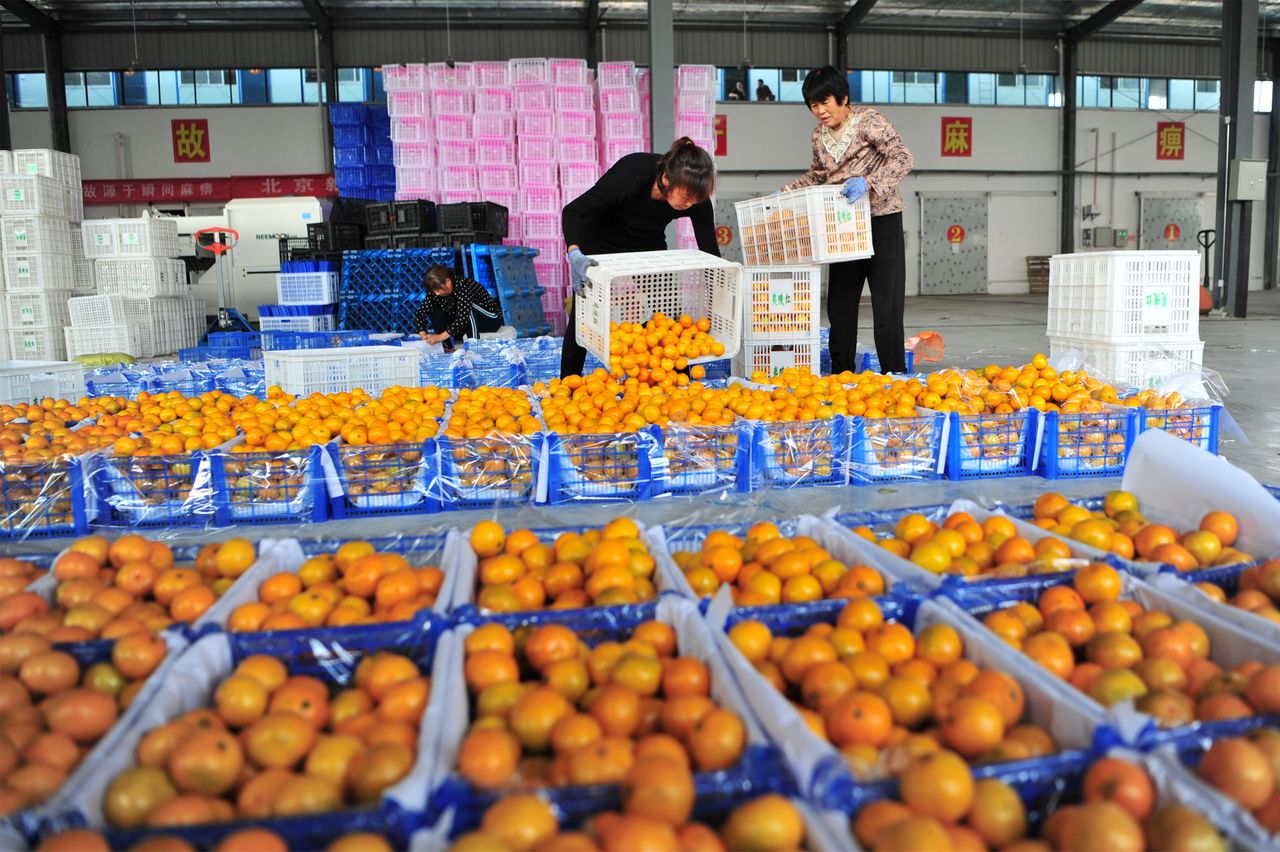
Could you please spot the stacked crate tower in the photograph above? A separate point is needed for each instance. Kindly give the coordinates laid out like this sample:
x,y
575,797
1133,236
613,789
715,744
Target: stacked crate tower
x,y
624,126
1134,316
362,155
42,208
695,118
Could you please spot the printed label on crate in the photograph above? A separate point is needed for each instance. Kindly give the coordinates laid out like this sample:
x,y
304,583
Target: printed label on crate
x,y
1156,310
20,236
130,238
24,269
33,168
28,313
781,296
101,239
781,360
16,194
29,343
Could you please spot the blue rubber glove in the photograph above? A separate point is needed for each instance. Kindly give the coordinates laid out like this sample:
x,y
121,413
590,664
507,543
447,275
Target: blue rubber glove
x,y
579,263
854,188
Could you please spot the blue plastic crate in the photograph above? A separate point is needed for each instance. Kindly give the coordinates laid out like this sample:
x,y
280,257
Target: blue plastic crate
x,y
249,384
898,449
870,360
382,290
154,491
609,467
341,115
721,369
349,136
380,154
277,340
1082,445
310,266
220,340
703,459
349,155
438,370
43,498
478,473
116,383
982,446
350,176
387,479
267,487
377,175
294,310
494,372
803,453
1199,425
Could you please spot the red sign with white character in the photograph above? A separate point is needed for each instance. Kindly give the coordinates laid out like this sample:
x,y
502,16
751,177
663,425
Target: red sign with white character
x,y
191,140
152,190
955,234
722,135
1171,139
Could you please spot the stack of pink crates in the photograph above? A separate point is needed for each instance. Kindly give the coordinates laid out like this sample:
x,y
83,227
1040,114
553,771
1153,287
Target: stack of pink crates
x,y
622,124
695,118
413,136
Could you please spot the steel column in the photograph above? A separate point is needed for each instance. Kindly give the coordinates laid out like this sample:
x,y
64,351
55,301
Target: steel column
x,y
1235,141
55,81
1068,48
1271,232
662,73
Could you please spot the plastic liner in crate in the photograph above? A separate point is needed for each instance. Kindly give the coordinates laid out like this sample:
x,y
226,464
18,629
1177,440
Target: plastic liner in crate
x,y
989,445
473,216
437,369
268,487
115,382
702,459
499,469
45,498
1197,424
759,770
383,479
801,453
607,467
505,370
188,682
240,381
896,449
154,491
1086,444
278,340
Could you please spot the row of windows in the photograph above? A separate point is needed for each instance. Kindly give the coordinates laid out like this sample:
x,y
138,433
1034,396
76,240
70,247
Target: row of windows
x,y
215,87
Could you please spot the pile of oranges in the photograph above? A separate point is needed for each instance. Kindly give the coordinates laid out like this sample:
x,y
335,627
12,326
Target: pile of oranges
x,y
657,806
582,715
1259,591
52,712
517,572
767,568
881,694
354,585
654,352
240,757
1120,528
243,840
107,590
965,547
1116,650
1245,769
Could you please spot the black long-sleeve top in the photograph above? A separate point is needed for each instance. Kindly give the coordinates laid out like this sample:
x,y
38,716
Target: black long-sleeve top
x,y
618,214
456,306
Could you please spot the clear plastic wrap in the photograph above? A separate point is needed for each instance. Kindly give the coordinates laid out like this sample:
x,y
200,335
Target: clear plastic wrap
x,y
801,454
899,449
263,486
381,479
704,459
51,497
627,466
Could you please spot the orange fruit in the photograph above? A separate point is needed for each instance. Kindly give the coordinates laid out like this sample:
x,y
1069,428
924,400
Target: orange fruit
x,y
938,785
717,740
487,539
1223,525
488,758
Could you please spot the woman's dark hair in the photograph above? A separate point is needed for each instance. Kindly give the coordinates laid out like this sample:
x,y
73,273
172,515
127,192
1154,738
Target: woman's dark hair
x,y
435,277
825,82
688,167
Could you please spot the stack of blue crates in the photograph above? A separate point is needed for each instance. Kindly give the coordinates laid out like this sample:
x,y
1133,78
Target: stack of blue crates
x,y
507,272
382,290
363,164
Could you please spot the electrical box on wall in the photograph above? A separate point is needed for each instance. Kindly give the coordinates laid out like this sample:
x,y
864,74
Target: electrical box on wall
x,y
1121,238
1247,180
1102,237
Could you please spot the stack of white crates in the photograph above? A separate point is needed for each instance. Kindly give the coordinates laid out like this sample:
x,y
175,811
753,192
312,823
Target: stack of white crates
x,y
1134,316
695,118
155,313
42,204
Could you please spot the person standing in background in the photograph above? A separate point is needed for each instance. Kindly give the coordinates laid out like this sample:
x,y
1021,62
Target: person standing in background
x,y
763,92
857,147
737,93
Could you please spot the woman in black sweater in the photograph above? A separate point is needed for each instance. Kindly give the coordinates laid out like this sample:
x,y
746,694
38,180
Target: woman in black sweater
x,y
628,210
455,308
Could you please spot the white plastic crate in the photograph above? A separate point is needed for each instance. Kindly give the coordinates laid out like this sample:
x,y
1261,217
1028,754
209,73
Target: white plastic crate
x,y
314,322
6,168
35,235
141,277
782,302
696,78
454,126
573,99
500,178
491,74
39,272
537,172
307,288
37,344
626,125
58,165
696,127
147,237
541,149
612,75
451,102
620,99
1139,365
36,309
495,152
541,226
494,125
771,357
456,152
508,198
530,70
533,96
584,173
633,287
460,179
695,102
616,149
497,99
811,225
538,199
413,154
88,311
33,195
568,72
411,130
407,104
577,124
536,122
445,75
104,339
397,78
577,150
371,368
1125,296
28,381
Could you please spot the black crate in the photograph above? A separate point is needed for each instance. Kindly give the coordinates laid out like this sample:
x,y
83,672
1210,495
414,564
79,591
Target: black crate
x,y
294,248
470,238
348,211
413,217
380,243
378,219
471,216
335,236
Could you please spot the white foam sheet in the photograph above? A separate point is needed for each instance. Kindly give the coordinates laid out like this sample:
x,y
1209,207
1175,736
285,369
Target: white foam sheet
x,y
188,682
1175,586
1179,484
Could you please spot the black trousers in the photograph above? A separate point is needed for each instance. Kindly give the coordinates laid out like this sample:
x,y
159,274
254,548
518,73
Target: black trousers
x,y
572,355
887,273
480,321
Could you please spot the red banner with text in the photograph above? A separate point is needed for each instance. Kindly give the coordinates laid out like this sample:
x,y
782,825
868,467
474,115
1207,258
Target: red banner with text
x,y
189,190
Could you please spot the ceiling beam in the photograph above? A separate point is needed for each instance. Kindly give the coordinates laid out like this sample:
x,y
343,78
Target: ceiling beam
x,y
319,17
29,15
1100,19
854,16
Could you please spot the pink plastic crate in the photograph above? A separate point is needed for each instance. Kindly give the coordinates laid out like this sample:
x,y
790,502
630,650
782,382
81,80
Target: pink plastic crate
x,y
571,192
536,122
620,99
491,99
459,196
490,73
406,104
575,124
616,149
539,199
621,124
550,251
415,154
515,229
451,102
695,103
399,78
583,173
453,127
696,77
508,198
531,70
612,75
411,130
416,178
498,177
417,195
541,225
540,148
573,99
537,172
568,72
552,274
493,125
495,152
460,178
441,76
453,152
533,96
576,150
700,126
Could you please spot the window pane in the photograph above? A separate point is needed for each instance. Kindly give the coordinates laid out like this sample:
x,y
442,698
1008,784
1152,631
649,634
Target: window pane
x,y
1158,94
74,84
1010,91
1039,89
791,85
1207,94
1182,94
954,88
379,92
1262,90
771,80
859,86
212,87
253,86
351,84
284,85
1127,93
918,87
982,88
880,87
1093,92
31,92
